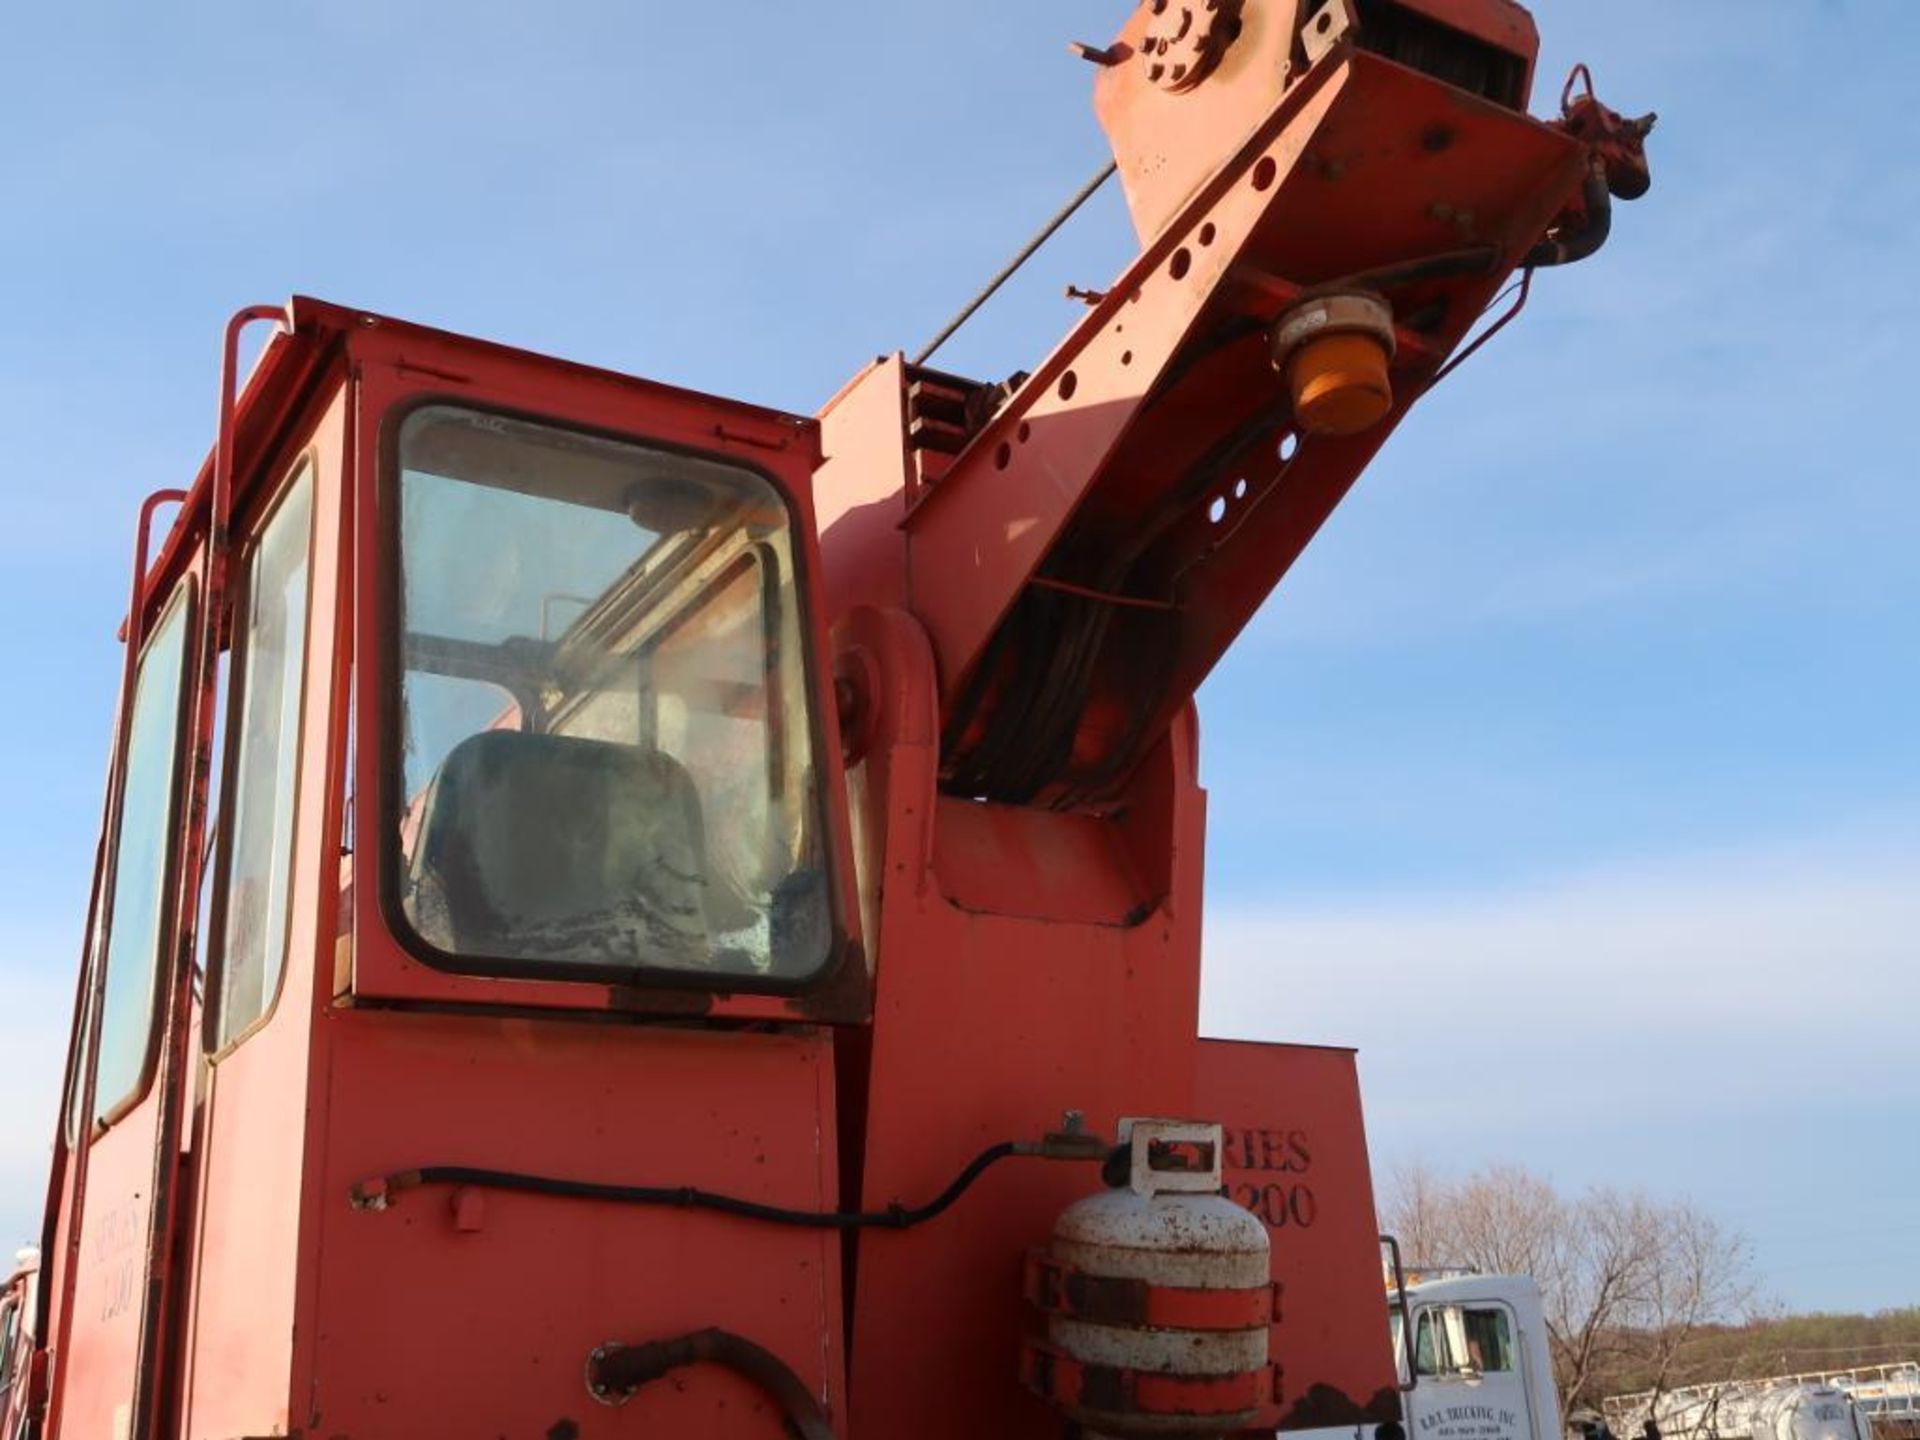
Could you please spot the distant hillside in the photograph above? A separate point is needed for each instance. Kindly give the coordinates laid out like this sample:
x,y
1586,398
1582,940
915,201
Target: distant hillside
x,y
1793,1344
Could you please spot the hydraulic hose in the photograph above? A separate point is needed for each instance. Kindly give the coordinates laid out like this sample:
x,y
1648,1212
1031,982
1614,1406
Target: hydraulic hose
x,y
1587,241
379,1194
614,1372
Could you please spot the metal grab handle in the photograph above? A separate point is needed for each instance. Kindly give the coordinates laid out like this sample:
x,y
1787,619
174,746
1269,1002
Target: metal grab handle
x,y
1406,1314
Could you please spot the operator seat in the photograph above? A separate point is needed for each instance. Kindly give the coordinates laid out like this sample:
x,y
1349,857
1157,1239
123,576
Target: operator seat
x,y
552,848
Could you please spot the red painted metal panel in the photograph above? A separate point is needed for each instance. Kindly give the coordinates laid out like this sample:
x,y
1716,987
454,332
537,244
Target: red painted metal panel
x,y
251,1151
860,491
1296,1155
988,1026
424,1326
1036,864
1170,143
97,1377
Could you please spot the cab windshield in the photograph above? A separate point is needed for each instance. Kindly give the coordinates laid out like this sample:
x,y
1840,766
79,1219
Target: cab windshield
x,y
1453,1341
603,753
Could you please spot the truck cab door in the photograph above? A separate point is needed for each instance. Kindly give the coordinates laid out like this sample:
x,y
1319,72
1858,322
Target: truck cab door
x,y
1472,1377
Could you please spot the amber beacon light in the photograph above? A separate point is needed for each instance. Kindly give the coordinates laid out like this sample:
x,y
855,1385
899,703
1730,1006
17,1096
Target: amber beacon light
x,y
1335,353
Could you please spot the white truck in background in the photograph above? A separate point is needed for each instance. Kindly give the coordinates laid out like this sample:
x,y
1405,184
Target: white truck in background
x,y
1474,1362
1793,1407
1478,1365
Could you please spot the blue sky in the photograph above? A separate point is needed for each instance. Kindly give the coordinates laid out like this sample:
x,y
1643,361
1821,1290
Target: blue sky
x,y
1574,775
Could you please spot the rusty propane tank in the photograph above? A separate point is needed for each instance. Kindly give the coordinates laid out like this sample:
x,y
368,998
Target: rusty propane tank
x,y
1158,1296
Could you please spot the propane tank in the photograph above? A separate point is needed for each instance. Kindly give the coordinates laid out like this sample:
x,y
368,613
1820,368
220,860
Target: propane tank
x,y
1158,1297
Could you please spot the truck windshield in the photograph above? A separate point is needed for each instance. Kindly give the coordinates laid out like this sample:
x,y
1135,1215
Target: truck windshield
x,y
603,757
1451,1340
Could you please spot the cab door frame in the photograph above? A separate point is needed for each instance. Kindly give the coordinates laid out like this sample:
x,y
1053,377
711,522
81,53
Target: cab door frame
x,y
397,368
142,1239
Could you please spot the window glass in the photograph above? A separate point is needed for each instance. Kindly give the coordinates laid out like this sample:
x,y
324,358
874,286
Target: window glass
x,y
1428,1345
604,742
268,681
9,1326
1489,1341
144,870
1455,1341
443,710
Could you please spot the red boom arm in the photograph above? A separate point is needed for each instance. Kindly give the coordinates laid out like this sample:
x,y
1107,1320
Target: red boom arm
x,y
1098,542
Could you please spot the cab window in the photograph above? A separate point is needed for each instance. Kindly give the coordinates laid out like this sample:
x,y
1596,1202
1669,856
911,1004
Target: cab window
x,y
1489,1341
1428,1345
602,745
267,692
137,911
1452,1340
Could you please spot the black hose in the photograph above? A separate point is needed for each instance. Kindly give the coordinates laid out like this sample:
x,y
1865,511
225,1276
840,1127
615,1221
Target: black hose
x,y
1479,260
374,1195
1589,238
618,1370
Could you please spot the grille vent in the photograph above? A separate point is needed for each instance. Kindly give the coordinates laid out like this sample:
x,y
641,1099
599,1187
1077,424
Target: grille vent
x,y
1446,54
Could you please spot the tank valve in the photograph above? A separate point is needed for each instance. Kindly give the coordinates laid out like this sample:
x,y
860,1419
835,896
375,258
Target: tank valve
x,y
1335,351
1158,1297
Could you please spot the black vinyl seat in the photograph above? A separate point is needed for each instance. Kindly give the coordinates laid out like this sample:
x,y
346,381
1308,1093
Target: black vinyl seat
x,y
552,848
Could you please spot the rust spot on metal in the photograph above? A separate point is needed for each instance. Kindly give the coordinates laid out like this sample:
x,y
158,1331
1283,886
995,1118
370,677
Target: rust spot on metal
x,y
431,372
732,435
1114,1300
632,999
843,996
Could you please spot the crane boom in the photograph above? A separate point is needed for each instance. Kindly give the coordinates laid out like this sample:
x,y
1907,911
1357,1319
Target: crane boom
x,y
1108,526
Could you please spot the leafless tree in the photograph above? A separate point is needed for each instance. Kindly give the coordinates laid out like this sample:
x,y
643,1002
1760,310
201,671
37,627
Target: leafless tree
x,y
1627,1279
1705,1276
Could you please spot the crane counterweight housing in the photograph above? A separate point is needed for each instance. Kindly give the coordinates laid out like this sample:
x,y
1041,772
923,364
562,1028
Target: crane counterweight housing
x,y
606,893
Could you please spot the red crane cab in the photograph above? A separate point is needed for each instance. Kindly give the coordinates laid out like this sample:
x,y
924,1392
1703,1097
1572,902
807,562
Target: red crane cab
x,y
626,912
530,855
